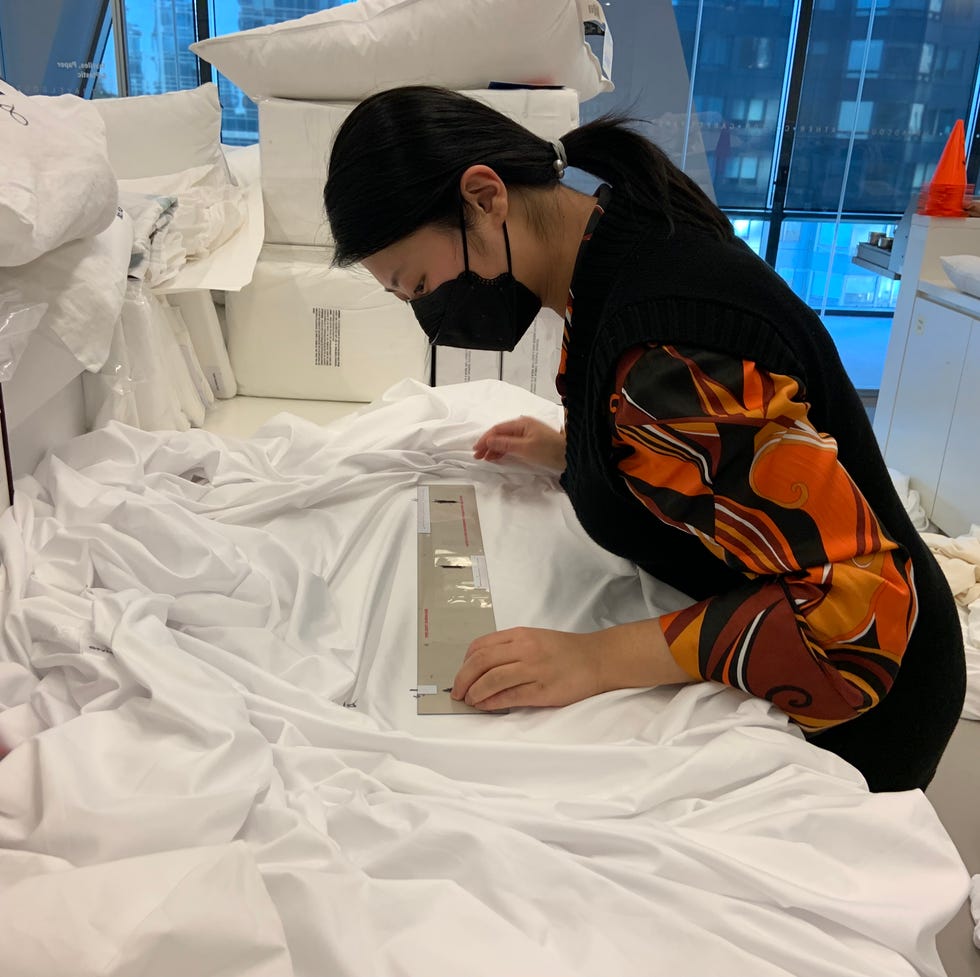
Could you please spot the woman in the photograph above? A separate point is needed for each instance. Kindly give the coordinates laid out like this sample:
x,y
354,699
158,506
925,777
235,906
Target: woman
x,y
712,435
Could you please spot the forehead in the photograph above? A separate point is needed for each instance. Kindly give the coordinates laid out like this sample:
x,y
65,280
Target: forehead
x,y
413,254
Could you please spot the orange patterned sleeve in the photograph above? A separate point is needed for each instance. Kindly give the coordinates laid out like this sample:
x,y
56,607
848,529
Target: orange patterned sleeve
x,y
721,449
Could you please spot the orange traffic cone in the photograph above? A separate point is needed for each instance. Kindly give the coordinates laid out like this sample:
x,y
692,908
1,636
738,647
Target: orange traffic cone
x,y
944,196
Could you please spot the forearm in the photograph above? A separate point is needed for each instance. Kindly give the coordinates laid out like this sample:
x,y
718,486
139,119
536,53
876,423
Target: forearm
x,y
637,656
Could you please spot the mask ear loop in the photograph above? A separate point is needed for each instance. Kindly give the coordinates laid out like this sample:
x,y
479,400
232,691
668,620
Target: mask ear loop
x,y
462,228
510,270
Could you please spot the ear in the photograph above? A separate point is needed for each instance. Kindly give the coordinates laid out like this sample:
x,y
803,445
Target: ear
x,y
485,193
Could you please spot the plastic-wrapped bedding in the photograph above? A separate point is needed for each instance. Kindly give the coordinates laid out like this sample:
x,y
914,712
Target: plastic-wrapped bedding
x,y
307,331
152,378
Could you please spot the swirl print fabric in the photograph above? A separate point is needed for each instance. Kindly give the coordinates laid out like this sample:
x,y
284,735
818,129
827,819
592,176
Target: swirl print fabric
x,y
722,449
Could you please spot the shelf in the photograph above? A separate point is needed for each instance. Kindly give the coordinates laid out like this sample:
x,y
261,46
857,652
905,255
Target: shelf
x,y
877,269
947,294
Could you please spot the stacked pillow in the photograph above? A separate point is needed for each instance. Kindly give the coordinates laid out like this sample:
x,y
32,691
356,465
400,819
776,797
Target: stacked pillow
x,y
352,51
156,135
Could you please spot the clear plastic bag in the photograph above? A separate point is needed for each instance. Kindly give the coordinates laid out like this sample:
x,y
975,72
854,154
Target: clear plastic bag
x,y
17,324
135,385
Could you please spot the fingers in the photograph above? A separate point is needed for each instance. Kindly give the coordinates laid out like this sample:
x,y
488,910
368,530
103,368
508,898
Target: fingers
x,y
491,684
486,653
490,442
528,694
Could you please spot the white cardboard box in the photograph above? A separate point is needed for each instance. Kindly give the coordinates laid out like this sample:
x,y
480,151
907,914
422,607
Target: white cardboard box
x,y
534,363
295,140
464,365
304,330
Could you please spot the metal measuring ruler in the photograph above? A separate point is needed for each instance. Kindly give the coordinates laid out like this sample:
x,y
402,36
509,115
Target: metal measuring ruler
x,y
454,592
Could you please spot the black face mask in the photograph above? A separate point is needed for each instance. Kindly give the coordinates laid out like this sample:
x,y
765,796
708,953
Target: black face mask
x,y
471,312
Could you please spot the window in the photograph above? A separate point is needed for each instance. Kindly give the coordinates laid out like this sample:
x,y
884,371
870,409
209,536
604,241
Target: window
x,y
754,233
804,155
862,56
757,110
953,62
854,117
926,59
751,80
158,33
915,118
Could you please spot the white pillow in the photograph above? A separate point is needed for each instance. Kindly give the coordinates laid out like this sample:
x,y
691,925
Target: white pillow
x,y
56,184
963,270
357,49
150,135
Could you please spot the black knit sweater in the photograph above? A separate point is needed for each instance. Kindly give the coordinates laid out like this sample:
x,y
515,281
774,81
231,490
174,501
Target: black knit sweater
x,y
638,282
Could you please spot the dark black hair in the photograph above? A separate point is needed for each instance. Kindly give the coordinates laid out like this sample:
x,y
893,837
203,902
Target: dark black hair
x,y
397,160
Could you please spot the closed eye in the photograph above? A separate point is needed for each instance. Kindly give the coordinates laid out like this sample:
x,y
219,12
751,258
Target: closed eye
x,y
419,291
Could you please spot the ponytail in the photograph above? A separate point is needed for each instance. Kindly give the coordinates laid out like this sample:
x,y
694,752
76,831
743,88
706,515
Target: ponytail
x,y
397,160
640,170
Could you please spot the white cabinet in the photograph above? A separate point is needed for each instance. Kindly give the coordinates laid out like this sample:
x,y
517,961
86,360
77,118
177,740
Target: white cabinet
x,y
958,496
928,418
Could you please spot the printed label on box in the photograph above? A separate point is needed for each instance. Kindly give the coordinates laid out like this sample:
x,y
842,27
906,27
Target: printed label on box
x,y
326,337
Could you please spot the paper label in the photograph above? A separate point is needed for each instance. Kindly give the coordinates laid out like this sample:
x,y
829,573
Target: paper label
x,y
214,378
423,505
326,337
481,579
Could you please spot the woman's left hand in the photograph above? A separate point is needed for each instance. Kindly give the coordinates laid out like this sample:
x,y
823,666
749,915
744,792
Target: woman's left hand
x,y
529,667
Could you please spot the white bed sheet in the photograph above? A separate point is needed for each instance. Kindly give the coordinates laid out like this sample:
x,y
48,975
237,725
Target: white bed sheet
x,y
184,617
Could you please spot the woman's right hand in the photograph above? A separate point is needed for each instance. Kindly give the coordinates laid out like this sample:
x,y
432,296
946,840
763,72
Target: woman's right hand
x,y
526,439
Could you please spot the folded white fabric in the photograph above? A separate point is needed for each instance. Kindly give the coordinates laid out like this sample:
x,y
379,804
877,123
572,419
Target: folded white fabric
x,y
207,217
354,50
180,217
83,284
910,499
151,216
56,184
959,559
229,265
